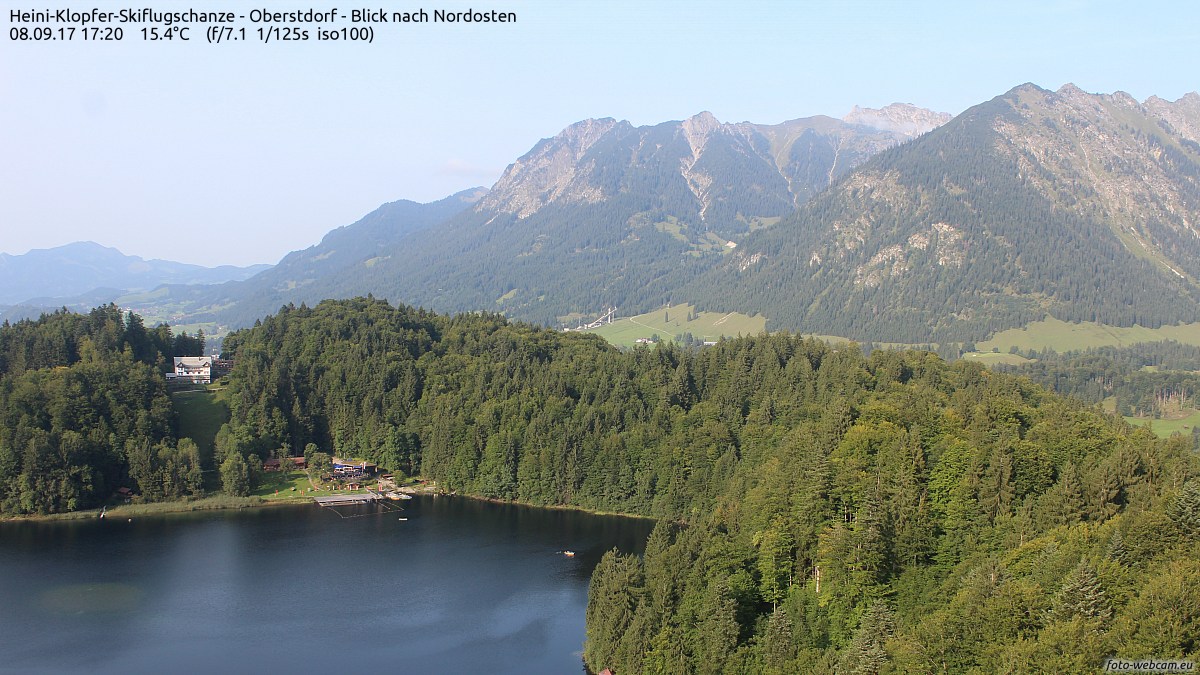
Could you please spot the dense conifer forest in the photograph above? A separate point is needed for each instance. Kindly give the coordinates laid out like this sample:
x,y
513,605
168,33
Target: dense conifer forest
x,y
821,510
84,410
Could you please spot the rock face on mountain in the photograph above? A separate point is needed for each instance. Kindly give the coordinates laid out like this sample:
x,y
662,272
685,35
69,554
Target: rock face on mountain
x,y
1083,206
1136,165
722,172
900,118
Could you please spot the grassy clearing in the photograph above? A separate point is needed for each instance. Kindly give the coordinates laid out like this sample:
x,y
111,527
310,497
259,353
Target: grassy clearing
x,y
699,243
673,227
291,485
199,413
1165,428
993,358
671,321
284,485
1062,336
1178,421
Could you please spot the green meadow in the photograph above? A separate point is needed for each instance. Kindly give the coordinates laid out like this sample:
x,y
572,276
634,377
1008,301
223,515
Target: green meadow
x,y
1062,336
996,358
1169,427
199,414
676,320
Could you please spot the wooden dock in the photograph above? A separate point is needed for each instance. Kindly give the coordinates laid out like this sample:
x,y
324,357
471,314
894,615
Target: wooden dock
x,y
346,500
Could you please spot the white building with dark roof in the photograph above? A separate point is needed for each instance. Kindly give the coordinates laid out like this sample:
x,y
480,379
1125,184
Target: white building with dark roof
x,y
194,369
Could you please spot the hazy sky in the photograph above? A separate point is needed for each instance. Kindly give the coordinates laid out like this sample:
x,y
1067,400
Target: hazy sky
x,y
240,152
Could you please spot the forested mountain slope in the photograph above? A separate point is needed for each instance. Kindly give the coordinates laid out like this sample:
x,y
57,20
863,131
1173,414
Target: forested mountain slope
x,y
835,512
340,261
1083,206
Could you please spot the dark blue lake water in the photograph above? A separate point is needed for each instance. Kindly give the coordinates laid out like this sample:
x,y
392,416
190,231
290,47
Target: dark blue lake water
x,y
460,587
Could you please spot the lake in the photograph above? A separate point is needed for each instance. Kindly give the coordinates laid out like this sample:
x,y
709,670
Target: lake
x,y
462,586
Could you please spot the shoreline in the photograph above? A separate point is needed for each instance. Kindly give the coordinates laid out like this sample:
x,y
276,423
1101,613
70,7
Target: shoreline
x,y
558,507
226,503
214,503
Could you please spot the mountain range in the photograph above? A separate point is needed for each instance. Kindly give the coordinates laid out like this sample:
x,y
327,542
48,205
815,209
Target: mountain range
x,y
600,213
45,275
329,269
1085,207
895,224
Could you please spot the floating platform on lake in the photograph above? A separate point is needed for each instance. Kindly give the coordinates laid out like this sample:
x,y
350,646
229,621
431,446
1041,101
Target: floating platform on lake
x,y
346,500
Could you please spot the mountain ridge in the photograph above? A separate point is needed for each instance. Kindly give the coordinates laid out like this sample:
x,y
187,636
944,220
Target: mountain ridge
x,y
84,266
602,211
1035,203
1076,205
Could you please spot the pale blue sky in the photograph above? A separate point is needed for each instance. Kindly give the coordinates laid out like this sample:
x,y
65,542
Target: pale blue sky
x,y
238,153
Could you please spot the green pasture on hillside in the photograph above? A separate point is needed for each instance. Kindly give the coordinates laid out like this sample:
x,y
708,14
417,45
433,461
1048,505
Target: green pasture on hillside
x,y
671,321
996,358
1165,428
1062,336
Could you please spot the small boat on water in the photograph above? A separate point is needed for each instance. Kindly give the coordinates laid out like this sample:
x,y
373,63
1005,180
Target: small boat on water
x,y
569,554
395,496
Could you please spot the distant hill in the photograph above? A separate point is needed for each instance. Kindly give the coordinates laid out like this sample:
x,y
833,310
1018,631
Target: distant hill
x,y
42,275
333,268
1080,206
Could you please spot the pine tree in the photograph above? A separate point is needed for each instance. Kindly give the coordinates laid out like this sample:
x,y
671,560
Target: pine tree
x,y
718,630
779,644
612,600
865,654
1185,510
1081,595
1116,549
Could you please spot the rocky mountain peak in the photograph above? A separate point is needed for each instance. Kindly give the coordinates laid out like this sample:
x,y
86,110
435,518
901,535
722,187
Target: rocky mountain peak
x,y
701,124
902,118
1183,115
1069,90
549,171
1124,99
582,135
696,130
783,164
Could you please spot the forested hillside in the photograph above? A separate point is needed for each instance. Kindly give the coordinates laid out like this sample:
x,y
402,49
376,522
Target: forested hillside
x,y
326,270
823,511
84,410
